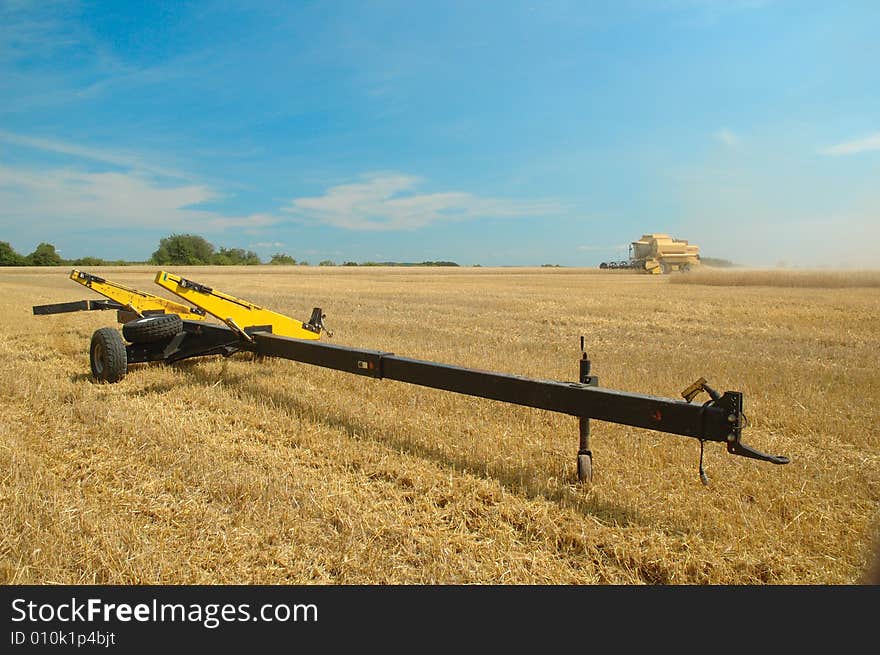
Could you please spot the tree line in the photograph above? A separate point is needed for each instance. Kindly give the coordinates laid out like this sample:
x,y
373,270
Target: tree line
x,y
179,250
43,255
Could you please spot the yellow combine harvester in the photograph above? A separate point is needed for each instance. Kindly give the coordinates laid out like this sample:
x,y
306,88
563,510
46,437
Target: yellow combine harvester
x,y
659,253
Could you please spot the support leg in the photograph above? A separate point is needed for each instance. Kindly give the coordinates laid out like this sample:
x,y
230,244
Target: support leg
x,y
585,455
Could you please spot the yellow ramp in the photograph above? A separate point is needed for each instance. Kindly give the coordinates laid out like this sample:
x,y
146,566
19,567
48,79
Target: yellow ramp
x,y
235,312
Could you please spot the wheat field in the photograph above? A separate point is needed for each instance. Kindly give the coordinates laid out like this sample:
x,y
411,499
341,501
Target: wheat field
x,y
274,472
738,277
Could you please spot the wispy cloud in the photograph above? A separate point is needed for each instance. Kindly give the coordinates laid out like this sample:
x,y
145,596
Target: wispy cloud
x,y
116,158
385,201
865,144
55,199
727,137
51,58
36,27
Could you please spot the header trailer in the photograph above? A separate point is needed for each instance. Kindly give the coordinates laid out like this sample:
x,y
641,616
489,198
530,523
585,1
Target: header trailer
x,y
158,330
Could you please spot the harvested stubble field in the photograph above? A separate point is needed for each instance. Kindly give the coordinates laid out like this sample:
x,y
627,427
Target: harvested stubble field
x,y
233,471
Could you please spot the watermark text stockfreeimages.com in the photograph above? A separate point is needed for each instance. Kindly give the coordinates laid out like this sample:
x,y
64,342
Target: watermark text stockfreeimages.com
x,y
209,615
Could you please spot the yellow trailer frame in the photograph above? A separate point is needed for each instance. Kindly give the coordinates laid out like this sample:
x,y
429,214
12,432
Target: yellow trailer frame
x,y
241,316
133,300
238,314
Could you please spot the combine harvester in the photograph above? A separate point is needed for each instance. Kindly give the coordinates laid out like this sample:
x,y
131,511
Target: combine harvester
x,y
155,329
659,253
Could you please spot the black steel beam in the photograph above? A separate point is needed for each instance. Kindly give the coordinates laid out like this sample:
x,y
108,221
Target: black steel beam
x,y
576,399
716,422
76,306
342,358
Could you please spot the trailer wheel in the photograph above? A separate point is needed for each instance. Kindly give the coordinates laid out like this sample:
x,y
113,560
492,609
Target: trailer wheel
x,y
152,328
107,355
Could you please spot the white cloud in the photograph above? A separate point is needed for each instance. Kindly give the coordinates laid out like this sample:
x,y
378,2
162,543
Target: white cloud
x,y
56,201
116,158
55,198
384,201
727,137
866,144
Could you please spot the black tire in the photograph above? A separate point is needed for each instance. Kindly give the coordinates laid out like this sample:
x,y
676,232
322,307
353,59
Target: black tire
x,y
152,328
107,356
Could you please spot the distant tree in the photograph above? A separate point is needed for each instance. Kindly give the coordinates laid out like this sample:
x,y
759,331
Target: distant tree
x,y
282,259
327,262
44,255
8,256
88,261
235,257
188,249
304,264
350,264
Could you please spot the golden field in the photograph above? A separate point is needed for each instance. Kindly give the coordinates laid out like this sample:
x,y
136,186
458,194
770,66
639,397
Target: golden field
x,y
235,471
779,278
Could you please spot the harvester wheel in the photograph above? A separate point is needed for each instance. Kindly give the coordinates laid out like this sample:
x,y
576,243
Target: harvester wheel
x,y
107,355
152,328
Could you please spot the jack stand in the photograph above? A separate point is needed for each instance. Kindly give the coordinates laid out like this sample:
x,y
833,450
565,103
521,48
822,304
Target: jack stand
x,y
585,455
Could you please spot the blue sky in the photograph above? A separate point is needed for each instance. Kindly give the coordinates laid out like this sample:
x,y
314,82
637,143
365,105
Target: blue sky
x,y
492,133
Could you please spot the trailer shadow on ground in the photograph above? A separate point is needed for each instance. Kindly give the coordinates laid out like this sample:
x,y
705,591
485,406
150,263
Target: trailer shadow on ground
x,y
569,495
